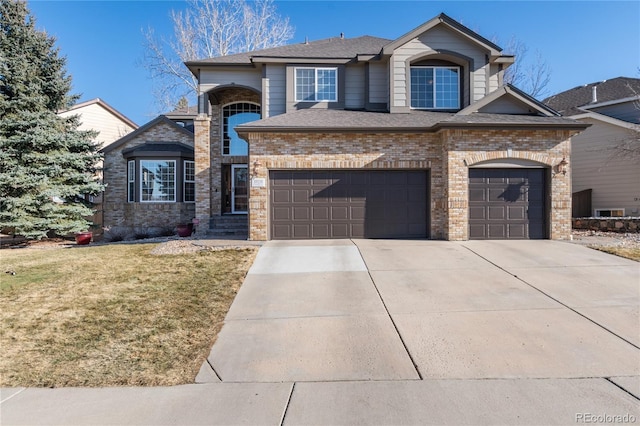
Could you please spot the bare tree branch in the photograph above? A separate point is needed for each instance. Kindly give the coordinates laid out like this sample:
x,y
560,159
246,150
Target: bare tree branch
x,y
207,29
532,76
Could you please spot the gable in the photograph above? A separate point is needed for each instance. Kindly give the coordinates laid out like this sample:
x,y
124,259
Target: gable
x,y
161,129
509,100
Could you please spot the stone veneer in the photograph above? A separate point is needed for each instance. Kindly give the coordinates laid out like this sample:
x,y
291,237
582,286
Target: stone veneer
x,y
208,153
122,217
447,154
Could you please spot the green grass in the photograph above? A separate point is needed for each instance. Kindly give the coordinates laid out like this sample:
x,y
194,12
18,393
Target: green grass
x,y
112,315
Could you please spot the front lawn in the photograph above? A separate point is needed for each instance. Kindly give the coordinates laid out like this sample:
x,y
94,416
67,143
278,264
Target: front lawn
x,y
632,253
112,315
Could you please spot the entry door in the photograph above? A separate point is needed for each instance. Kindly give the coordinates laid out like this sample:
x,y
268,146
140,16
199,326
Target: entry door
x,y
239,188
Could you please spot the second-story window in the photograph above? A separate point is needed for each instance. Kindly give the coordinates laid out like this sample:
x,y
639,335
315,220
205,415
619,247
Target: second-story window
x,y
434,87
234,115
316,84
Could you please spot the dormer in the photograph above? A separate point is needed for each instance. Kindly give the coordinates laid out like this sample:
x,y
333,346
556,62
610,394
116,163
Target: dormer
x,y
442,66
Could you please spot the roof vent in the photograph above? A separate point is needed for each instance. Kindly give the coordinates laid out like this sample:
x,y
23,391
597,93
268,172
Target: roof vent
x,y
594,94
342,36
306,40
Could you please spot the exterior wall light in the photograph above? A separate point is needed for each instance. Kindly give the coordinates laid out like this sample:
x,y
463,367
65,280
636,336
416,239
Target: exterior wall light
x,y
562,166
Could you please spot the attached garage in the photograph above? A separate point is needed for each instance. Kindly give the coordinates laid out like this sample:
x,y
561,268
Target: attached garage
x,y
507,203
312,204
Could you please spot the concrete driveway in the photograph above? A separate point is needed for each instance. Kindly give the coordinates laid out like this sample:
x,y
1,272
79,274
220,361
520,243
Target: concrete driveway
x,y
410,310
400,332
531,323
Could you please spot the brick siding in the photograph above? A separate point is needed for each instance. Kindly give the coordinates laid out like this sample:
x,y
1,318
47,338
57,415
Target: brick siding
x,y
446,154
127,218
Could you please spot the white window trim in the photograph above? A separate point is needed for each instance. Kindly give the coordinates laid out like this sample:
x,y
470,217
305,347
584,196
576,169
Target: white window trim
x,y
175,195
185,181
598,210
131,178
459,73
315,94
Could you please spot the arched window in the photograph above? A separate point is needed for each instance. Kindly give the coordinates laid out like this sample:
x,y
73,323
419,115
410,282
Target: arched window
x,y
233,115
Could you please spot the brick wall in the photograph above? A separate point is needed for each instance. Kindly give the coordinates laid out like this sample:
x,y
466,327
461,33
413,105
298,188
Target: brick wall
x,y
128,218
208,153
447,155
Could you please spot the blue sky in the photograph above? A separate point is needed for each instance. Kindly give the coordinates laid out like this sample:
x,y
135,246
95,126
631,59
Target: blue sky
x,y
583,41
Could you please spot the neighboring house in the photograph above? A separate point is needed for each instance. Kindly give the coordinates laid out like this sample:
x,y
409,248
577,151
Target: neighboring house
x,y
416,137
111,125
98,115
606,178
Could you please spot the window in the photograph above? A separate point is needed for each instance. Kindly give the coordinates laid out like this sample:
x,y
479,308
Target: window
x,y
131,181
234,115
316,84
609,212
157,180
435,87
189,182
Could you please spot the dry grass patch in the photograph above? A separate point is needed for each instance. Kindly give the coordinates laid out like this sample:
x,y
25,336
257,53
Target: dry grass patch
x,y
113,315
628,252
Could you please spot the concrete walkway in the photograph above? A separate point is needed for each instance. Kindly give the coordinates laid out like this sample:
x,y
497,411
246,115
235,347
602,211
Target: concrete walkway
x,y
400,332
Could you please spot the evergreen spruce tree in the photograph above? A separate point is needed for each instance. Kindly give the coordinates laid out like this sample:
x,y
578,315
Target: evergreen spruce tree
x,y
47,165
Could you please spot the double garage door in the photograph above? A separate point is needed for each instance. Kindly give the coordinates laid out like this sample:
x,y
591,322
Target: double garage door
x,y
348,204
305,204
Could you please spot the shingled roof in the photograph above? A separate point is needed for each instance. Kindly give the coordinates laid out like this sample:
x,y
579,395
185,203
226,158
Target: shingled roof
x,y
330,48
319,120
569,102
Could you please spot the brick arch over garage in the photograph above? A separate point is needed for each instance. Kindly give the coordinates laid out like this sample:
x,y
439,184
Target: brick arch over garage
x,y
535,158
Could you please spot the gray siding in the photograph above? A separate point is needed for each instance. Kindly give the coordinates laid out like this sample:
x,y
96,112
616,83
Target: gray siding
x,y
354,86
615,183
378,82
628,111
210,79
275,95
438,38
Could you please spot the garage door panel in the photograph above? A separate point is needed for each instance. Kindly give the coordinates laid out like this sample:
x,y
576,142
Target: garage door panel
x,y
339,213
320,213
495,212
321,230
300,195
301,213
536,214
507,203
358,213
476,212
302,231
281,231
477,232
347,204
281,213
517,231
497,231
340,230
516,212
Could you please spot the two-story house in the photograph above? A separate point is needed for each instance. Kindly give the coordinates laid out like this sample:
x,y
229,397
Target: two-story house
x,y
605,170
366,137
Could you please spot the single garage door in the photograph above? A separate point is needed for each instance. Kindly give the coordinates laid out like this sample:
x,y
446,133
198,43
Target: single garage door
x,y
348,204
507,203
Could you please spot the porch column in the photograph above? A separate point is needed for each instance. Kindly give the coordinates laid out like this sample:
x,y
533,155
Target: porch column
x,y
202,151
